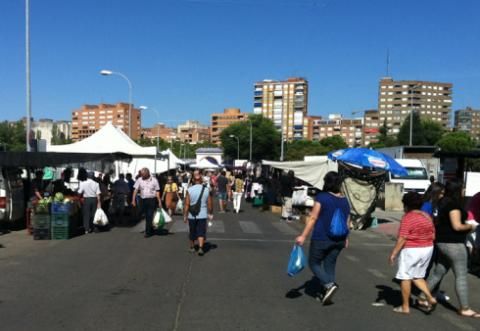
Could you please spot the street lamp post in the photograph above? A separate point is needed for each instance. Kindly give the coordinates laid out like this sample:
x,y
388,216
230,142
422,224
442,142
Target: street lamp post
x,y
251,142
238,145
411,115
130,88
27,74
281,143
158,134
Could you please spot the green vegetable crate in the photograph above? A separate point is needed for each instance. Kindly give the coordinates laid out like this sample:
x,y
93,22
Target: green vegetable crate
x,y
40,221
60,226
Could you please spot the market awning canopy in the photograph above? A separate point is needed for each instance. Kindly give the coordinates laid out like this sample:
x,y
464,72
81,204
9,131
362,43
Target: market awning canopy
x,y
109,139
44,159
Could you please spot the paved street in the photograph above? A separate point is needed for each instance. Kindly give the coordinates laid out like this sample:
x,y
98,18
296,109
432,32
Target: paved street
x,y
120,281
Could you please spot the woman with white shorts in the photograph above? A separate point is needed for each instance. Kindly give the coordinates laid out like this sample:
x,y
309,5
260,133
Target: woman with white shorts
x,y
414,250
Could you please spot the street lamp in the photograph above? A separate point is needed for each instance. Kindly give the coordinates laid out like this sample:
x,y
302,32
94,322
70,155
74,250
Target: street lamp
x,y
158,134
27,74
251,141
130,88
238,145
411,114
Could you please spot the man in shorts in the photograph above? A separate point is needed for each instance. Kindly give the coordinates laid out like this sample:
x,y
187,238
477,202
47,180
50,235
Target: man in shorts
x,y
222,189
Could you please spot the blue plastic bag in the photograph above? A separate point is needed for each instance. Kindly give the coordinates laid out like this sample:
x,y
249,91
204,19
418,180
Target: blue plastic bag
x,y
338,225
297,261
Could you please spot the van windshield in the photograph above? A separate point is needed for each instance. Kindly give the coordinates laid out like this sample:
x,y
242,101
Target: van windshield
x,y
413,173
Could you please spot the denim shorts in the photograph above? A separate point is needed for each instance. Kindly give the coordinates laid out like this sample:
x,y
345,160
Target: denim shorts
x,y
222,195
198,228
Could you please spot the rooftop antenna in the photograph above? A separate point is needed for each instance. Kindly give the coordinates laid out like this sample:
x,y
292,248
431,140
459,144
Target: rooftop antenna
x,y
388,62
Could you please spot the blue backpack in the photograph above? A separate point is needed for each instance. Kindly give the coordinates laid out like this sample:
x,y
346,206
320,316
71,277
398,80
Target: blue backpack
x,y
338,225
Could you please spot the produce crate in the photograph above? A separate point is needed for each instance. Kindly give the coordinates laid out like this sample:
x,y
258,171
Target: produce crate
x,y
60,220
41,234
61,208
60,233
40,221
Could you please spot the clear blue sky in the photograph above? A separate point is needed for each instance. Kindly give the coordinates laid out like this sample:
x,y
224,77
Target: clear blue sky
x,y
189,58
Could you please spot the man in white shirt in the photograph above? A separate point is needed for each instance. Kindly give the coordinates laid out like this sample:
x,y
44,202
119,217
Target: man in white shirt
x,y
149,190
91,196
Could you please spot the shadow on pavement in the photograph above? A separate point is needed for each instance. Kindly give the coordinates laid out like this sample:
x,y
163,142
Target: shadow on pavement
x,y
311,288
388,295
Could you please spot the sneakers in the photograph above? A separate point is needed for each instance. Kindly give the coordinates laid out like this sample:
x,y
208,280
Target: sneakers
x,y
329,292
191,250
201,252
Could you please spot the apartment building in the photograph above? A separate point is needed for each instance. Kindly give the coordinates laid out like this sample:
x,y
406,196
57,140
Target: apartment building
x,y
193,132
468,120
220,121
371,126
90,118
351,130
161,131
285,103
432,100
43,129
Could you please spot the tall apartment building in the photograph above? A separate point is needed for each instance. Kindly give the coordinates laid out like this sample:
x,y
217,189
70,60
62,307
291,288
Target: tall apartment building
x,y
221,121
43,129
468,120
193,132
90,118
371,126
285,103
351,130
396,98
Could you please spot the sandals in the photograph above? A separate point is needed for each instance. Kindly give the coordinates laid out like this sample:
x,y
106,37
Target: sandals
x,y
400,310
425,306
471,313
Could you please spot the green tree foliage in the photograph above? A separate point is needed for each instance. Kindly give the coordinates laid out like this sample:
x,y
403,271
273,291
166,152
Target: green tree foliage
x,y
266,139
333,143
12,136
384,140
298,149
456,142
425,132
58,138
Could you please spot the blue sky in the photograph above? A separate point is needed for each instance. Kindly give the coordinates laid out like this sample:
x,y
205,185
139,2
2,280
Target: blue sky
x,y
190,58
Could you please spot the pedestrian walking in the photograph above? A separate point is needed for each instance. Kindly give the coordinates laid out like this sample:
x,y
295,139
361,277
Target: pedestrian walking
x,y
431,198
222,188
90,190
198,207
170,195
149,190
330,206
238,188
451,233
414,250
120,196
287,182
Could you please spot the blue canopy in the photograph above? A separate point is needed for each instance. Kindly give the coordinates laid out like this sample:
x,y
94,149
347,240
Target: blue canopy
x,y
368,158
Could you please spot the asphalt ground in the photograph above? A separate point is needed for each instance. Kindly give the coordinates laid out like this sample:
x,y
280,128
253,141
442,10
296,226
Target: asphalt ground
x,y
119,280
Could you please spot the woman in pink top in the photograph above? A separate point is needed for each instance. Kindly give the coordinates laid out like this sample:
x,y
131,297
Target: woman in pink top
x,y
414,249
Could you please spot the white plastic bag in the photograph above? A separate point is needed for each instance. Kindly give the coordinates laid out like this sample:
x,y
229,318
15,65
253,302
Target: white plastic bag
x,y
100,217
167,218
158,220
179,207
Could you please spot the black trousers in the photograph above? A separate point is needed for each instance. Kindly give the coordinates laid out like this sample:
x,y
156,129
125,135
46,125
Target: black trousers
x,y
148,208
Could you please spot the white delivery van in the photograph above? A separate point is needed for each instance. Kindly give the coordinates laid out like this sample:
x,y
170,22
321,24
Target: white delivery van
x,y
417,178
12,200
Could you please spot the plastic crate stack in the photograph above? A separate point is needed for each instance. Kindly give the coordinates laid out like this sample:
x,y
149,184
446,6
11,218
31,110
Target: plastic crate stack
x,y
60,221
41,226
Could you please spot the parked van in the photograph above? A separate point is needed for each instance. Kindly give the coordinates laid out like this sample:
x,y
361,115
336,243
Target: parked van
x,y
417,179
12,198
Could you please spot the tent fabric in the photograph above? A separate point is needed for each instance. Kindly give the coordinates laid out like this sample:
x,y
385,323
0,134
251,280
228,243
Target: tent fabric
x,y
109,139
205,164
311,172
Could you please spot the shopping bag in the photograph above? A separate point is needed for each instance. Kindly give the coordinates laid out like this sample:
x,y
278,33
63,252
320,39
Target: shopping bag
x,y
297,261
179,207
158,220
258,201
166,218
100,218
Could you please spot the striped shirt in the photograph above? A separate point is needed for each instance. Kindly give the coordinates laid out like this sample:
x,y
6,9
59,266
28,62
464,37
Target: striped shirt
x,y
148,187
418,229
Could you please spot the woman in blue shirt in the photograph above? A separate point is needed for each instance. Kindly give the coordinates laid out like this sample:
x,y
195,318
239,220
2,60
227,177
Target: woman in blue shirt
x,y
430,201
324,248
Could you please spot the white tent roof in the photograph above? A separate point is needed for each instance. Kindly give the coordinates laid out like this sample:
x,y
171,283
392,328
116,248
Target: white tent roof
x,y
311,172
109,139
205,164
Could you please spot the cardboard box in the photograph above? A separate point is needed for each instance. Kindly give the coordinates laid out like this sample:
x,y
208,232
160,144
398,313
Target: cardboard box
x,y
276,209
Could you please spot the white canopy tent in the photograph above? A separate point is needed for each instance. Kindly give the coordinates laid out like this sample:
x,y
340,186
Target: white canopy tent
x,y
311,172
110,139
205,164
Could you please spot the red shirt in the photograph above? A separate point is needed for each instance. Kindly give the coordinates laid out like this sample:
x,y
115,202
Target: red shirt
x,y
417,227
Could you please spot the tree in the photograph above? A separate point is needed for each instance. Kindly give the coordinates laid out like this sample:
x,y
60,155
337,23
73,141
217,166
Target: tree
x,y
298,149
265,142
384,140
12,136
418,136
333,143
432,131
456,142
